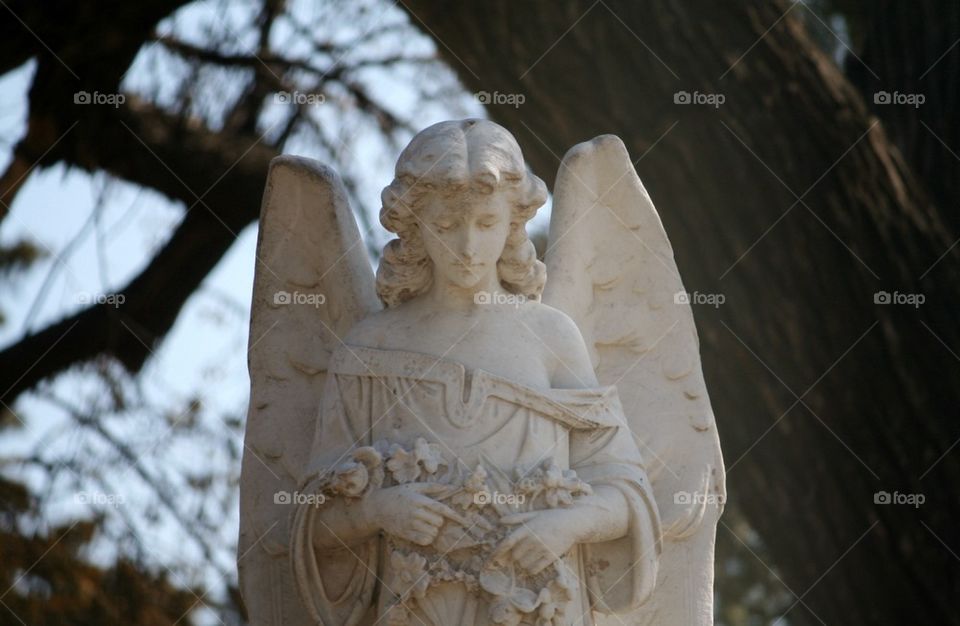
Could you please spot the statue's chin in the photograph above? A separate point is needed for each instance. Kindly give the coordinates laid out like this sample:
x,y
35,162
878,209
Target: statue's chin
x,y
466,280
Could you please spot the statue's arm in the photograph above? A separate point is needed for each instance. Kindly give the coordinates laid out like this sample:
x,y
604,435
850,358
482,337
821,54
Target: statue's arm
x,y
623,529
604,514
339,481
601,516
342,523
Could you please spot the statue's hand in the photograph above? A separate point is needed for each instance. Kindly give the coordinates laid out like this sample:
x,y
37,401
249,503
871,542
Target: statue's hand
x,y
407,511
541,538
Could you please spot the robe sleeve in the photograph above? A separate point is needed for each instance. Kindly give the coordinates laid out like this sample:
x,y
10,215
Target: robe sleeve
x,y
336,586
620,573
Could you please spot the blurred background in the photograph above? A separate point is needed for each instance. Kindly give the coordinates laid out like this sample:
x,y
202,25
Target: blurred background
x,y
803,157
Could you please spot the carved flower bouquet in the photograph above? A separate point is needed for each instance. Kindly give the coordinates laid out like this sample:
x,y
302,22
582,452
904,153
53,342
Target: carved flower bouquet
x,y
461,551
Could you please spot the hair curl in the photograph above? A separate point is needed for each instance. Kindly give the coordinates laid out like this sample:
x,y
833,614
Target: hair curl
x,y
457,157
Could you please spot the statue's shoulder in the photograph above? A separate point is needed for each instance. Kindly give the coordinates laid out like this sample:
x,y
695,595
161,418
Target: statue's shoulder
x,y
554,326
569,359
373,330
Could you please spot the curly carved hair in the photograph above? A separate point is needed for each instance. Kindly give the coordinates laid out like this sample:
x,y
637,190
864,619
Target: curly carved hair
x,y
452,158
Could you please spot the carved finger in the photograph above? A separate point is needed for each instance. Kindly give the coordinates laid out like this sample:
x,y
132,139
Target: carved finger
x,y
531,551
541,564
442,509
518,518
428,488
424,527
429,517
419,538
528,559
507,544
524,550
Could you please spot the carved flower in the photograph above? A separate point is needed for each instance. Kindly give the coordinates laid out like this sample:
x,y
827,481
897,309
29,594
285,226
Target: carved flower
x,y
558,486
408,466
428,454
349,479
403,464
477,480
474,484
512,602
352,478
557,595
548,608
527,485
505,612
398,615
410,574
373,461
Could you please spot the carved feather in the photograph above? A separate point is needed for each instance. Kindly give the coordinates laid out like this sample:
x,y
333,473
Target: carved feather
x,y
313,281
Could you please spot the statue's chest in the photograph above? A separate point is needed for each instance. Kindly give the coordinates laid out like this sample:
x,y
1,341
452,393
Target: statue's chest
x,y
491,423
509,350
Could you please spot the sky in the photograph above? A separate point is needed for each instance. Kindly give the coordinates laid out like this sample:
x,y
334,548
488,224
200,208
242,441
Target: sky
x,y
98,232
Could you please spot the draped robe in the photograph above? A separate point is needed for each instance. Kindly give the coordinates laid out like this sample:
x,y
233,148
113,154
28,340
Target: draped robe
x,y
473,419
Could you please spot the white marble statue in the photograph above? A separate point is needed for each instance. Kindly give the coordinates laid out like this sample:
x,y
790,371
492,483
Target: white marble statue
x,y
473,436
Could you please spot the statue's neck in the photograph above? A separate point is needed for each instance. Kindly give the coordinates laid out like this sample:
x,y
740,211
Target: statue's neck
x,y
447,295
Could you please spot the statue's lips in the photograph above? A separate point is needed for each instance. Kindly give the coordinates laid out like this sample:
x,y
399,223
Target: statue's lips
x,y
470,268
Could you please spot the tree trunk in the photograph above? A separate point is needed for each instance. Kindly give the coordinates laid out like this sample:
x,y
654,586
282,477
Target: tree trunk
x,y
913,49
789,199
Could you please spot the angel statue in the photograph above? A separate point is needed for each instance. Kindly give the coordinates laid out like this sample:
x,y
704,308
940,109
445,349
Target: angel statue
x,y
473,436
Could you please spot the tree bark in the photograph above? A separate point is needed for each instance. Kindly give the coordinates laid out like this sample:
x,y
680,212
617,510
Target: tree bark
x,y
87,47
218,177
789,199
913,50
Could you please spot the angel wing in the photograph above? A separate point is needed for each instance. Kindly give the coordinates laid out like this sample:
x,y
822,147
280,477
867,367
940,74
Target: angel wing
x,y
610,267
313,281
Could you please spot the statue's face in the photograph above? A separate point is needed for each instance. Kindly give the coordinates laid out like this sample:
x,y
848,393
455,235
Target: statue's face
x,y
465,235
